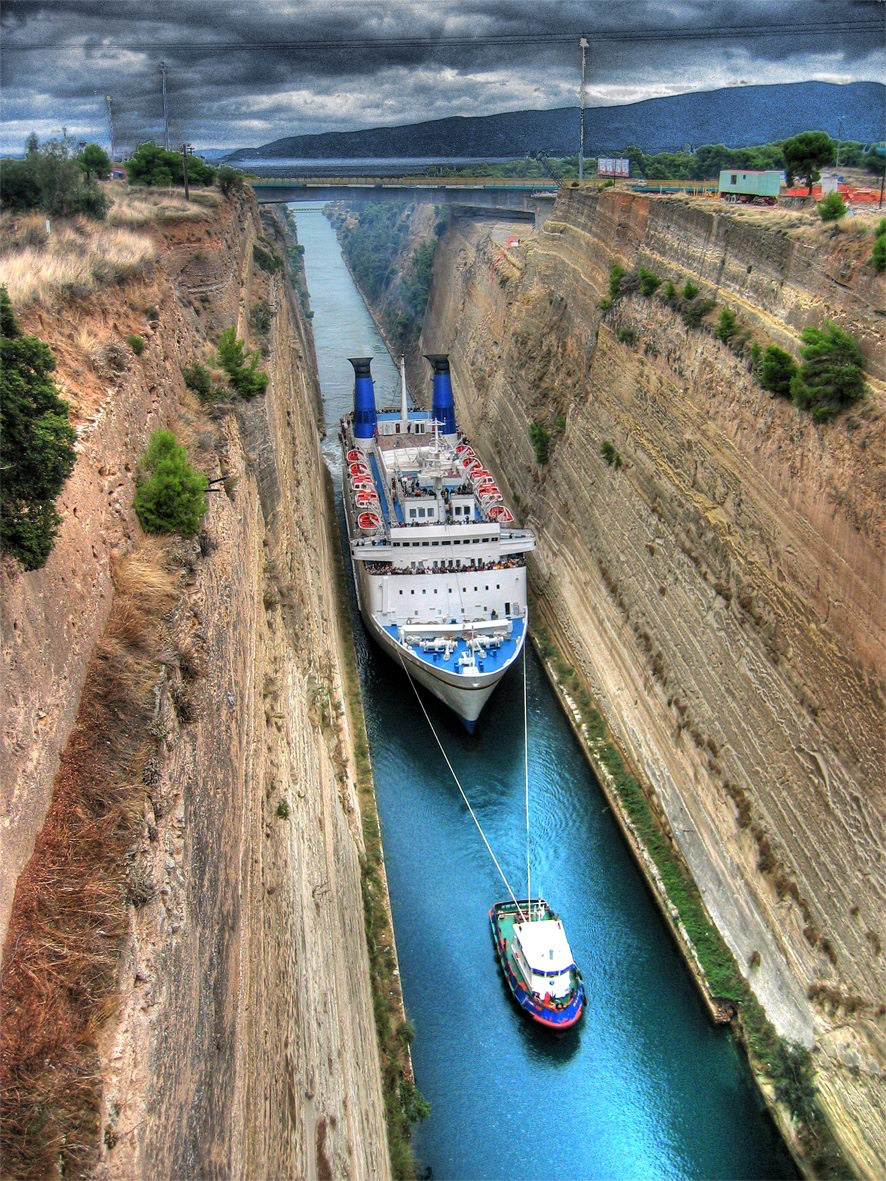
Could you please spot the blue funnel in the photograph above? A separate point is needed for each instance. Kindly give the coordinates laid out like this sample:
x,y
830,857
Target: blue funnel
x,y
443,407
364,398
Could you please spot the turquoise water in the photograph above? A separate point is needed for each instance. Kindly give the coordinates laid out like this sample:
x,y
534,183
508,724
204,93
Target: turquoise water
x,y
646,1086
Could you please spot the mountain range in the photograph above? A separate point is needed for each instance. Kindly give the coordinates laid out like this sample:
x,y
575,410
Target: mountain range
x,y
738,116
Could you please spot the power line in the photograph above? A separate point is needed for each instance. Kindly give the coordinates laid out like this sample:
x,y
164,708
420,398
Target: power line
x,y
796,29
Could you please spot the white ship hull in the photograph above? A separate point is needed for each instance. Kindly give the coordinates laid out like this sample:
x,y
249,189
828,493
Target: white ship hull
x,y
438,564
466,696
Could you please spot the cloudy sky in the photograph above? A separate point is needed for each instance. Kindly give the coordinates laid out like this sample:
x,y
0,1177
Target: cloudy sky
x,y
243,72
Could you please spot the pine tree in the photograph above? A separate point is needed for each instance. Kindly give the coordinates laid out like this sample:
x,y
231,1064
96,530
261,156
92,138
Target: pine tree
x,y
36,443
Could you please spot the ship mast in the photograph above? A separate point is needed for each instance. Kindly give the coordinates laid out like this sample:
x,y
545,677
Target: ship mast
x,y
404,401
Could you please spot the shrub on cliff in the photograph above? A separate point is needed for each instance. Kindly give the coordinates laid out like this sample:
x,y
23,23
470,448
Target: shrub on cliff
x,y
171,495
540,438
832,208
831,376
695,310
229,180
36,443
246,379
649,282
152,165
727,325
878,257
616,274
777,368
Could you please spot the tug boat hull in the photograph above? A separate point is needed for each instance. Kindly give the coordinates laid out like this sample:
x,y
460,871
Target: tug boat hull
x,y
558,1014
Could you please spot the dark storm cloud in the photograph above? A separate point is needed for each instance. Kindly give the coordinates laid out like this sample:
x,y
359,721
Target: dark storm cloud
x,y
355,75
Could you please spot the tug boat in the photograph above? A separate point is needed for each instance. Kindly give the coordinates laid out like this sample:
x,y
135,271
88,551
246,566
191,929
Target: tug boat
x,y
537,962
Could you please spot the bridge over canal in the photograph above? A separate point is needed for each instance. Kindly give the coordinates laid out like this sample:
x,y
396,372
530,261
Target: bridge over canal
x,y
529,198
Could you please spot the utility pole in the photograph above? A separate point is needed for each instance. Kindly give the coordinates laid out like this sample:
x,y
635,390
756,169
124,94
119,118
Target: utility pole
x,y
185,149
165,106
110,123
583,43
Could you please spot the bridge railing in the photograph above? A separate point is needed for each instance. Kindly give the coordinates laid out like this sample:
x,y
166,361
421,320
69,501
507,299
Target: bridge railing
x,y
519,184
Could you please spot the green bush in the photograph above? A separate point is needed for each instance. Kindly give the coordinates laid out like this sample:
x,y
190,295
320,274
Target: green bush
x,y
198,379
152,165
627,336
696,310
95,162
610,454
266,260
831,375
541,442
616,274
726,325
689,290
246,379
171,495
878,257
136,343
230,180
669,292
832,208
649,282
260,316
283,810
777,369
51,179
36,443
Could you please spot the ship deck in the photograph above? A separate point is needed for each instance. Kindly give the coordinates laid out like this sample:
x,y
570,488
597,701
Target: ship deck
x,y
493,661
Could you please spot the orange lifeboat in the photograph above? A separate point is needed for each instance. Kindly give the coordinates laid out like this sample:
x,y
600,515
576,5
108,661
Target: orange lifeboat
x,y
503,515
471,461
355,455
464,451
479,474
357,470
368,521
365,498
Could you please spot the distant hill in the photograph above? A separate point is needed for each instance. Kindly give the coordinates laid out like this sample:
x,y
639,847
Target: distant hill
x,y
738,116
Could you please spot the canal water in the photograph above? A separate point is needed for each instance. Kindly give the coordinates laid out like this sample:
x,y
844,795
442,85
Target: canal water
x,y
645,1087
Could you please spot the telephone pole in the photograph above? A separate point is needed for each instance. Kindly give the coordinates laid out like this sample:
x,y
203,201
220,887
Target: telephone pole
x,y
165,106
583,44
185,149
110,107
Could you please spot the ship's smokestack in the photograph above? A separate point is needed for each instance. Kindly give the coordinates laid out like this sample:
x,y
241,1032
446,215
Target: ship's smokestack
x,y
443,407
364,398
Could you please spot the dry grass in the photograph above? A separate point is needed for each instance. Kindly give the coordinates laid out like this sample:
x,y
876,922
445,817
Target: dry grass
x,y
78,257
20,230
70,910
141,207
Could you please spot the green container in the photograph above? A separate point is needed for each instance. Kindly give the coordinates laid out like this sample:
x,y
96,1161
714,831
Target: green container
x,y
750,183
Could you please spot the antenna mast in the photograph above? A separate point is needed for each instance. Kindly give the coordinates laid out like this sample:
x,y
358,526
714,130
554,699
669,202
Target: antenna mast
x,y
583,43
110,107
165,106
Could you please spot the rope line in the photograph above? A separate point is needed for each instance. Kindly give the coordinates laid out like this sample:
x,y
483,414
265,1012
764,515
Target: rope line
x,y
462,790
526,769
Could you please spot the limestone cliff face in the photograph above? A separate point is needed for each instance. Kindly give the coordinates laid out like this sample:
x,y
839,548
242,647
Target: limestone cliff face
x,y
245,1043
721,590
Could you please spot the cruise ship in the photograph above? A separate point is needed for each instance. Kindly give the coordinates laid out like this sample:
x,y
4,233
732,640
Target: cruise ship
x,y
439,564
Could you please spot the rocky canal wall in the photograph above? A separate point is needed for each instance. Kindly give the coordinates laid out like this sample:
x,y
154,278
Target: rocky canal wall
x,y
242,1040
718,583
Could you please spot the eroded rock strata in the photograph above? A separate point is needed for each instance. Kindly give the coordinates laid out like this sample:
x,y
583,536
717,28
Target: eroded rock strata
x,y
719,589
244,1041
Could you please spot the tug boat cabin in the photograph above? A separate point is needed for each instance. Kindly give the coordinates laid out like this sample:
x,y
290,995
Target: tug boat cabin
x,y
537,962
